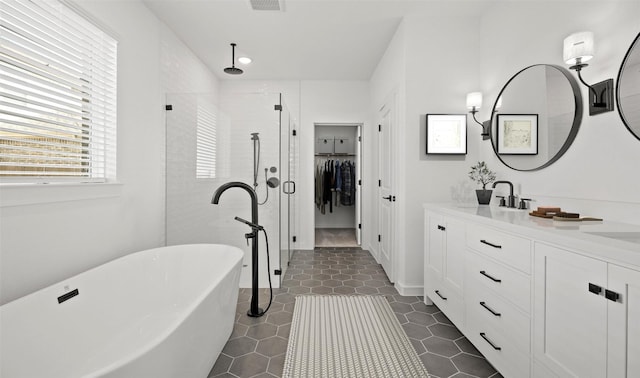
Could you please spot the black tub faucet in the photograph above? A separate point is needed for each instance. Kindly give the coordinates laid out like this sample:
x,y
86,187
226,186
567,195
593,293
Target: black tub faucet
x,y
254,310
511,200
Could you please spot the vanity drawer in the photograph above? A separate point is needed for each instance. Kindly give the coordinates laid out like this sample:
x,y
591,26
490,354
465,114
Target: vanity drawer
x,y
505,355
447,300
490,309
512,250
506,282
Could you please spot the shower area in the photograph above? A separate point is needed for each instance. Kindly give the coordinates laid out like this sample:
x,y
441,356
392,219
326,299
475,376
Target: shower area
x,y
249,138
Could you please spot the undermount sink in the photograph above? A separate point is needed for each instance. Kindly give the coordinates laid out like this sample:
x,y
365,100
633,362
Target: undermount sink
x,y
628,236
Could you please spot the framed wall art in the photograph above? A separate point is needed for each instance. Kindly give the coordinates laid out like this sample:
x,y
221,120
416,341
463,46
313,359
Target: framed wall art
x,y
517,134
447,134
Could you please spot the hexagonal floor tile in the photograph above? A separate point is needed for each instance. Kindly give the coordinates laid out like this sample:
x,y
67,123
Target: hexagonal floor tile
x,y
445,331
443,347
262,331
272,346
249,365
240,346
438,365
473,365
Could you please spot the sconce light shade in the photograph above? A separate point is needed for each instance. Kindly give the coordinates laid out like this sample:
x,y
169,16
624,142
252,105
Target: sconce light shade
x,y
474,100
578,48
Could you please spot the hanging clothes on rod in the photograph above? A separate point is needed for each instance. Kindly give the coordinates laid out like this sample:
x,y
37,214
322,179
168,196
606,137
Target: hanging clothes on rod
x,y
334,184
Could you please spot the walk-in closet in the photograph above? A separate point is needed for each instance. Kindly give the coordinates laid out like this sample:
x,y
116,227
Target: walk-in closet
x,y
337,185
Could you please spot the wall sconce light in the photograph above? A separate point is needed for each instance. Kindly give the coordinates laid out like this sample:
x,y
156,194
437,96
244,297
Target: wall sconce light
x,y
474,103
578,49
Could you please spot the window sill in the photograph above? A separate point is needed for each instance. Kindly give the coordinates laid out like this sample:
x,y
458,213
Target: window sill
x,y
34,194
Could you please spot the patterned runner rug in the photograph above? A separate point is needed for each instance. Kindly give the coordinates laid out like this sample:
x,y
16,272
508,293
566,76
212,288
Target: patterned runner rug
x,y
348,336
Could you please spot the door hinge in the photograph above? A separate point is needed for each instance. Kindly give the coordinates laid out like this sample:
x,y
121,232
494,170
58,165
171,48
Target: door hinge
x,y
360,225
294,132
294,239
277,272
360,182
379,128
379,182
359,139
168,107
277,107
379,238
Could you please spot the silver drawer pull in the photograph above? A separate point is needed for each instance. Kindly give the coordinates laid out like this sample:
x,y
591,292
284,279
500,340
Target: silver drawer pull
x,y
490,277
440,295
483,304
490,244
489,341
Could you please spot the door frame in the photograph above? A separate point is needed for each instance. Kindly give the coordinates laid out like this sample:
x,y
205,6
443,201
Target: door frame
x,y
359,161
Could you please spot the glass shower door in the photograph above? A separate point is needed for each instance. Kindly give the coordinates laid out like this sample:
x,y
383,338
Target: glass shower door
x,y
288,164
208,143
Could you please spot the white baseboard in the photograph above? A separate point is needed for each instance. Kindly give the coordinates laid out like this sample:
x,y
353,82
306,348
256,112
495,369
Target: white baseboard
x,y
409,291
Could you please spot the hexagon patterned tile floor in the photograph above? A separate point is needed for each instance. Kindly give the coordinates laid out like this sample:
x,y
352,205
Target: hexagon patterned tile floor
x,y
257,346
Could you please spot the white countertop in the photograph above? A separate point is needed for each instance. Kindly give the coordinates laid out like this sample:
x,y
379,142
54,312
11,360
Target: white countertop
x,y
606,240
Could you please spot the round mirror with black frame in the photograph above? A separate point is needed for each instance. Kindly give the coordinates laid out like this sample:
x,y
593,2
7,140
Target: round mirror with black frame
x,y
628,88
536,117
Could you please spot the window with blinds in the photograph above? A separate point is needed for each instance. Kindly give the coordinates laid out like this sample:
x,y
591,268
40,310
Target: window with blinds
x,y
57,96
206,139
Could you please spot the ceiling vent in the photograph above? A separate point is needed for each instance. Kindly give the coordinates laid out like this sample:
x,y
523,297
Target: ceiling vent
x,y
267,5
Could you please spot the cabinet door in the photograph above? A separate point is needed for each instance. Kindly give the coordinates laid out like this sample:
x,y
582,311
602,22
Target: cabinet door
x,y
570,322
435,246
453,269
624,323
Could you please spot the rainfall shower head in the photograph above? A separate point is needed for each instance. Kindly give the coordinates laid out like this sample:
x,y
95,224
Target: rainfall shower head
x,y
233,70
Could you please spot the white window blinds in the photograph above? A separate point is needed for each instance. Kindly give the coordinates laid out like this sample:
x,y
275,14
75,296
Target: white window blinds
x,y
206,139
57,96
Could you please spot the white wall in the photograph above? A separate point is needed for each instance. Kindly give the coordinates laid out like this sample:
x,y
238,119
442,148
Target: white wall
x,y
431,75
43,243
598,175
51,233
331,102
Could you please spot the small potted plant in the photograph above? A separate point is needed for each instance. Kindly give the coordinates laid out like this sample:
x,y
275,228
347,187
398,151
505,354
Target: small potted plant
x,y
481,174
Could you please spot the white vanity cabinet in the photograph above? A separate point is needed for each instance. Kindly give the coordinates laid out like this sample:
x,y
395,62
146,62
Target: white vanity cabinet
x,y
539,298
587,315
444,264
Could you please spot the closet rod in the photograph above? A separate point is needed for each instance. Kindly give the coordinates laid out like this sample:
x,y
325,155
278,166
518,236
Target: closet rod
x,y
329,155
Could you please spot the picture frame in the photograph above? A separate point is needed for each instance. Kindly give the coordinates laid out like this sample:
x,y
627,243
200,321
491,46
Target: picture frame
x,y
446,134
517,134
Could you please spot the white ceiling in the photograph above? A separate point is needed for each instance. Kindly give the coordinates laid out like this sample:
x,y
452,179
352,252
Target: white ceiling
x,y
309,40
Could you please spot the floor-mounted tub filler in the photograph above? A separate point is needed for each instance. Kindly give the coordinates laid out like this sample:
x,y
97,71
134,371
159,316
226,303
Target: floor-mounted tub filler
x,y
164,312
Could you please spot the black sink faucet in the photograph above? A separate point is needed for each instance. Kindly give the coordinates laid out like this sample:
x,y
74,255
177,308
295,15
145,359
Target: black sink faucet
x,y
511,200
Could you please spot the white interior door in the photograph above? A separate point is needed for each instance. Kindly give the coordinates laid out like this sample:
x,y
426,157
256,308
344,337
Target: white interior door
x,y
386,197
358,224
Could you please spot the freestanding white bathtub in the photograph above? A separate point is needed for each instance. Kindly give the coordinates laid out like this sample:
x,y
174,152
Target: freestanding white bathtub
x,y
164,312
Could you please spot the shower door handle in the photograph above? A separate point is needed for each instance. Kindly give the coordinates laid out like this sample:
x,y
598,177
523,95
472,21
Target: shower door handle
x,y
287,191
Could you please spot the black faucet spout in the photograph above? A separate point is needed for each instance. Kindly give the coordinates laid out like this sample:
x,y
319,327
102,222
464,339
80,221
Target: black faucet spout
x,y
511,200
237,184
